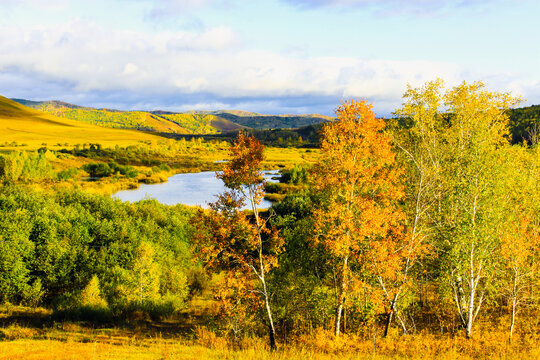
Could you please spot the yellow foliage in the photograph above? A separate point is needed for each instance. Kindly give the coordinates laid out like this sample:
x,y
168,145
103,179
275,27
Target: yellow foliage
x,y
91,294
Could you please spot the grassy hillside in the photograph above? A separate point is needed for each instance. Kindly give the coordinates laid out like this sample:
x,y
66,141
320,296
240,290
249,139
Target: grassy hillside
x,y
198,123
191,122
20,125
139,120
159,121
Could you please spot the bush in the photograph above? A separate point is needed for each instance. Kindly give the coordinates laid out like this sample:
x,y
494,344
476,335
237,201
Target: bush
x,y
272,188
197,282
104,170
24,166
155,310
297,175
33,293
91,294
160,168
126,170
67,174
94,314
97,169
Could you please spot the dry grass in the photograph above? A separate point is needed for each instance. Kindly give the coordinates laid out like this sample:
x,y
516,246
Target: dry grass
x,y
170,340
31,129
104,346
287,157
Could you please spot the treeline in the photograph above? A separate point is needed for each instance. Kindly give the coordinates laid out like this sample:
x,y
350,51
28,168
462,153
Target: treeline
x,y
196,123
303,137
150,153
256,121
139,120
525,124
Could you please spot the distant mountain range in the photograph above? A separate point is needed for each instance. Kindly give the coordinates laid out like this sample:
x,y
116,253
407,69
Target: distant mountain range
x,y
191,122
524,122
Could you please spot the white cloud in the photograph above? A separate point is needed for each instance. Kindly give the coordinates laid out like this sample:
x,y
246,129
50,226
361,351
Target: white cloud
x,y
48,5
207,67
168,8
393,6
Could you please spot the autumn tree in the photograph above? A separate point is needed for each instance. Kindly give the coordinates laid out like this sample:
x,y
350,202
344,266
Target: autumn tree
x,y
236,241
457,137
357,178
416,133
520,243
474,202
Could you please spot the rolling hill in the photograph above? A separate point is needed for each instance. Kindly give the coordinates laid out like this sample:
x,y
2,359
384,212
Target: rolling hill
x,y
260,121
20,125
191,122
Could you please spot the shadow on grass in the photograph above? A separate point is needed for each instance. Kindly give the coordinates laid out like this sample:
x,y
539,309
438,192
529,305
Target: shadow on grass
x,y
132,321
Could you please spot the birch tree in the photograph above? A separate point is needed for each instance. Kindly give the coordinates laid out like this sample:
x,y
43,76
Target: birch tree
x,y
416,135
237,242
520,245
356,176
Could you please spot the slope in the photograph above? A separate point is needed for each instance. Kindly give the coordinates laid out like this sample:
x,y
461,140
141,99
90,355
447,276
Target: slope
x,y
158,121
189,122
22,125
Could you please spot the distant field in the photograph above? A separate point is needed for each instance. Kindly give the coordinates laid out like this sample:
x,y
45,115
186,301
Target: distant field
x,y
21,126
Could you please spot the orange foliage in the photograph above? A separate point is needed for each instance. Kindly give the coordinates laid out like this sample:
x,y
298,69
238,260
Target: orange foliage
x,y
240,244
360,183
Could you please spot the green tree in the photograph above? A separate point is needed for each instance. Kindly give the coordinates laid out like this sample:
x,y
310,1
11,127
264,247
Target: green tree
x,y
459,135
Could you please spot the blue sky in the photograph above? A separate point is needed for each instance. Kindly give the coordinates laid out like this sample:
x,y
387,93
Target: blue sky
x,y
267,56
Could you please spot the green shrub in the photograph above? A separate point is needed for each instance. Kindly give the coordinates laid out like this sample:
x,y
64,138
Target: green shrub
x,y
97,169
297,175
24,166
67,174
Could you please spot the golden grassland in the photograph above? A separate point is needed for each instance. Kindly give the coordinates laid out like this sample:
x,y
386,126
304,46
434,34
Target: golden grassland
x,y
32,129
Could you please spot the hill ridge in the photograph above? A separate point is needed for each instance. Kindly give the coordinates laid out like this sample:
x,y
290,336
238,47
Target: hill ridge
x,y
21,125
187,122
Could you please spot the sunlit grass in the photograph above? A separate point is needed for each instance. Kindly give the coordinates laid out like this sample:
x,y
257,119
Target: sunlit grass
x,y
23,127
103,344
34,336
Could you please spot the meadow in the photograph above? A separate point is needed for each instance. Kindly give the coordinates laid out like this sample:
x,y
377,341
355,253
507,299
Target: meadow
x,y
33,334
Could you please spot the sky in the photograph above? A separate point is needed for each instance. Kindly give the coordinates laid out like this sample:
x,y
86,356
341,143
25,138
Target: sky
x,y
265,56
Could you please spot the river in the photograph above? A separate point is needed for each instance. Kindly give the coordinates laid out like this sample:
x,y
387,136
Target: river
x,y
196,189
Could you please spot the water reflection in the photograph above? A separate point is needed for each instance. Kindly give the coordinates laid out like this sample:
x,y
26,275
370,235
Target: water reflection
x,y
197,189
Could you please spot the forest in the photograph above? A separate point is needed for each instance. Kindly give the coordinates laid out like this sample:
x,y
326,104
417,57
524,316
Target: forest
x,y
415,236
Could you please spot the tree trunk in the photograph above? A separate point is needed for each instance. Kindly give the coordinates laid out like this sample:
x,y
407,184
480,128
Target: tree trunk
x,y
338,317
402,322
272,337
389,318
341,296
514,305
271,329
470,314
262,277
513,320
